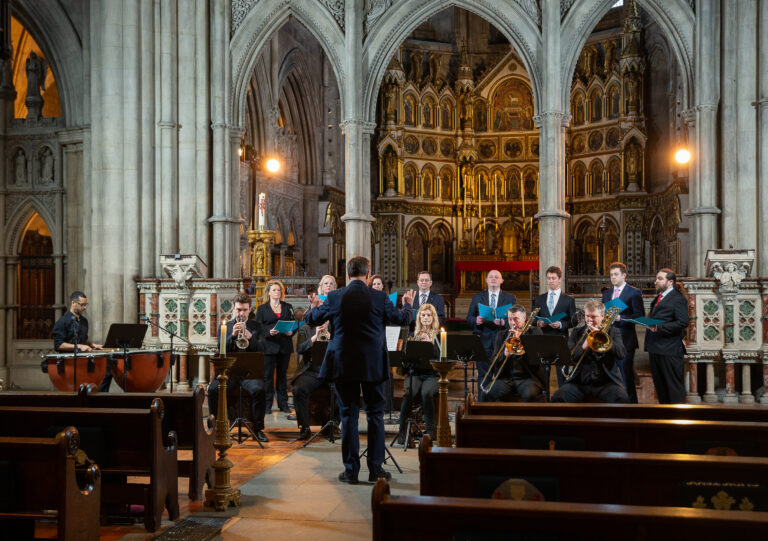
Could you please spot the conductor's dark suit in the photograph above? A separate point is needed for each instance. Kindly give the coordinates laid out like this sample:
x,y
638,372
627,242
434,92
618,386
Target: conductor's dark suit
x,y
665,347
357,358
633,298
488,329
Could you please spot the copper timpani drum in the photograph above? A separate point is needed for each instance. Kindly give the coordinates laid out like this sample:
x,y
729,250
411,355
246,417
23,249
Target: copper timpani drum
x,y
91,368
146,369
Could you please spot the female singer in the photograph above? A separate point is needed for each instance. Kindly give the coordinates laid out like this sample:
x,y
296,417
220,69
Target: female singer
x,y
376,282
277,346
326,285
422,383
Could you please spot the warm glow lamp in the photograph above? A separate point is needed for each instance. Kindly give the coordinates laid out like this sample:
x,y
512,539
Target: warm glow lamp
x,y
682,156
273,165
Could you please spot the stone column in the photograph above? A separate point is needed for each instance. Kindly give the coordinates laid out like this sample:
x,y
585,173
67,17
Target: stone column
x,y
730,396
702,125
7,338
692,396
357,217
709,395
311,225
11,266
746,396
168,173
762,140
551,121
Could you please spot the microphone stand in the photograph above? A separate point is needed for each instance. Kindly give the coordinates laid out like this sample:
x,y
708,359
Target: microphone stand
x,y
76,326
173,353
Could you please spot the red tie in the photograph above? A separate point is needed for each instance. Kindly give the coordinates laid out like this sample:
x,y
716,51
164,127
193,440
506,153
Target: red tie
x,y
658,299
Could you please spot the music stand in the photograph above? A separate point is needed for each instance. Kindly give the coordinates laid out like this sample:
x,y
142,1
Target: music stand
x,y
248,365
125,336
417,357
546,350
331,426
395,360
466,347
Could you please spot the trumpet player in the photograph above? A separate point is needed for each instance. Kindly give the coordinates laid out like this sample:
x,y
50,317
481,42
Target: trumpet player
x,y
516,375
597,373
253,387
307,379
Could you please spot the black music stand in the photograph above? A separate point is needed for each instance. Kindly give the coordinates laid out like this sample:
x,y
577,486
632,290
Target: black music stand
x,y
248,365
546,350
417,357
396,361
125,336
466,347
330,427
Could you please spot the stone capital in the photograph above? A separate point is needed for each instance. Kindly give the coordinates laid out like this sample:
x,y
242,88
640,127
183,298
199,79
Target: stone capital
x,y
357,217
565,119
365,127
552,213
702,211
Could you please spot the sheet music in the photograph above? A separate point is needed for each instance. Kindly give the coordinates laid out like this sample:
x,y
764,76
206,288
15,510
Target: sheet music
x,y
393,334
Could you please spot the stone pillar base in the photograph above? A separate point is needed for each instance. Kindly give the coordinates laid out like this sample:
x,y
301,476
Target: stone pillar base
x,y
730,398
693,398
746,398
710,398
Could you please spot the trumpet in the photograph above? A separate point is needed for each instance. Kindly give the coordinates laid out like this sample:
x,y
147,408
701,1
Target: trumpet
x,y
324,335
241,341
598,340
514,345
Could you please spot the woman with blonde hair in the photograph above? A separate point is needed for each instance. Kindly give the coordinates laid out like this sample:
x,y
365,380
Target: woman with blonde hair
x,y
277,346
419,382
326,285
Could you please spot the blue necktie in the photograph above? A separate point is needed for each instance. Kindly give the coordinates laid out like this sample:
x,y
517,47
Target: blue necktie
x,y
551,303
493,301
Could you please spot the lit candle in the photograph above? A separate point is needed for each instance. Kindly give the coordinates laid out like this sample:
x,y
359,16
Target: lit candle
x,y
479,198
522,195
262,210
496,195
443,344
223,338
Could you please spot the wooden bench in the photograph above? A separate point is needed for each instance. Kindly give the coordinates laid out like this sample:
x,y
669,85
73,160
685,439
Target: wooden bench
x,y
421,518
123,442
622,435
697,412
46,486
675,480
183,415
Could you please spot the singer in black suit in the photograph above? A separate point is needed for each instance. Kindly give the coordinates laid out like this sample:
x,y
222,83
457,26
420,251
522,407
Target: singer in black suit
x,y
561,302
357,359
598,374
633,298
664,342
425,296
72,328
493,297
254,388
277,346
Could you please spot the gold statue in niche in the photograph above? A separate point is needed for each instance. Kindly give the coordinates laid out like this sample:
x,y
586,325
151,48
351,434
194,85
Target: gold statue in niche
x,y
390,104
512,106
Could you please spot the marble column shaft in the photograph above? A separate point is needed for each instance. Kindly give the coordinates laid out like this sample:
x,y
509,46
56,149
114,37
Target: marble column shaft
x,y
762,140
168,172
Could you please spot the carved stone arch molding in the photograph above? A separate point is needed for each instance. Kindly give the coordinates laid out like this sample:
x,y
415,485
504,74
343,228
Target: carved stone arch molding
x,y
511,18
675,18
22,207
256,26
54,32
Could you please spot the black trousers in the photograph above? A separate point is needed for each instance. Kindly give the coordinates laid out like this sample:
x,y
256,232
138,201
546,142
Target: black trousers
x,y
667,372
627,368
251,387
504,389
424,389
304,386
276,362
611,393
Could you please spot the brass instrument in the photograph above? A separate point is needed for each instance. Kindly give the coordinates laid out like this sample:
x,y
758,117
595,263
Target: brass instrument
x,y
241,341
599,340
324,335
514,345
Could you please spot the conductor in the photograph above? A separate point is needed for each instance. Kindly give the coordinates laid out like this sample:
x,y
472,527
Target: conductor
x,y
356,359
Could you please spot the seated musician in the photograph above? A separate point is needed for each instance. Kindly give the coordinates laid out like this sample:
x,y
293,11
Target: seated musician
x,y
517,375
422,383
306,378
72,328
252,387
597,375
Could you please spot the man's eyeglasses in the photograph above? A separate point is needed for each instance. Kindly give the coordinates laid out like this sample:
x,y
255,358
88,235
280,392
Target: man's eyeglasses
x,y
83,304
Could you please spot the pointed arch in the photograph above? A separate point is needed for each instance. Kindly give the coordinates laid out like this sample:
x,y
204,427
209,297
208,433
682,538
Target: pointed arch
x,y
17,223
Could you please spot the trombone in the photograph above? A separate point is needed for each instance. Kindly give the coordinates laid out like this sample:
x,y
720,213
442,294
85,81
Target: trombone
x,y
598,340
512,344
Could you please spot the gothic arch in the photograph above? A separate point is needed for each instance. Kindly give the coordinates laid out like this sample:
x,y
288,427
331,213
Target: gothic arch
x,y
674,17
14,231
257,28
52,28
382,43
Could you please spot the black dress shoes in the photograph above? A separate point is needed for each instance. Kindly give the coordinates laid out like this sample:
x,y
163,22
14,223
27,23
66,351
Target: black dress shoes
x,y
261,436
346,477
305,433
381,474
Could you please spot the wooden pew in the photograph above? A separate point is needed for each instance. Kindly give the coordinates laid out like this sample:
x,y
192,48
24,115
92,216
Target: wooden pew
x,y
47,485
674,480
696,412
622,435
183,415
124,442
420,518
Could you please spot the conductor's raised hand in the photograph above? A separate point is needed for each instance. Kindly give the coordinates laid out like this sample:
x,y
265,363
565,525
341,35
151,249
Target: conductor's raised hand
x,y
314,300
408,296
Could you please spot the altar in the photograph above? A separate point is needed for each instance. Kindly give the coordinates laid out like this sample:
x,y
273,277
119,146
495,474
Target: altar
x,y
485,265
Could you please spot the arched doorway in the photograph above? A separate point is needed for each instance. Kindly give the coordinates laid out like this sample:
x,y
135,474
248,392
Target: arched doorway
x,y
36,282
